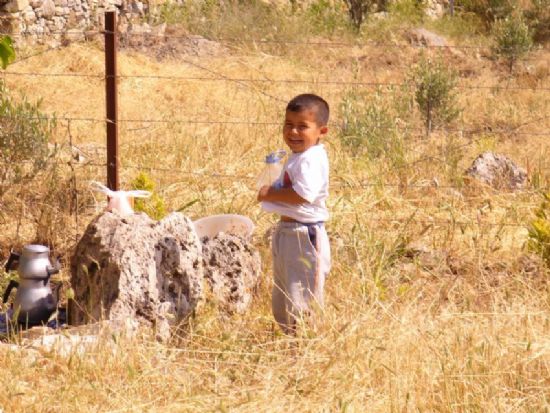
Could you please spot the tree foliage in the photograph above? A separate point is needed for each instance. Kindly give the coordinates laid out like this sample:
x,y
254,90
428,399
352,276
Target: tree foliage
x,y
512,39
488,11
24,136
538,19
357,10
7,52
24,132
435,92
155,206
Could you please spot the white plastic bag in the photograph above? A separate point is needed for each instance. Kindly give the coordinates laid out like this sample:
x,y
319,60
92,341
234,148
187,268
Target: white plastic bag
x,y
120,200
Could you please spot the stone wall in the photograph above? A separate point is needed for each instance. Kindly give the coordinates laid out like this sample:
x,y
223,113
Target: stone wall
x,y
55,19
75,19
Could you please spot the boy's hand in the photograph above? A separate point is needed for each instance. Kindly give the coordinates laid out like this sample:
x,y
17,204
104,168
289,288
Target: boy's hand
x,y
262,193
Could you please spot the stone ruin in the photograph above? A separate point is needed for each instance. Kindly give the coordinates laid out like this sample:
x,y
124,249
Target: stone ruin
x,y
133,268
497,171
41,20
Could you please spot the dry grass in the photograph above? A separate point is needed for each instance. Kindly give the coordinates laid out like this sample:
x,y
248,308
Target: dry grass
x,y
462,327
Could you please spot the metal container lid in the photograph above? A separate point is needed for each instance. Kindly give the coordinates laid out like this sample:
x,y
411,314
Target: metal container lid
x,y
35,249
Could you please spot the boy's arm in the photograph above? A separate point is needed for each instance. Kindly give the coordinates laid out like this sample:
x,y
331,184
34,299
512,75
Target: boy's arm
x,y
273,194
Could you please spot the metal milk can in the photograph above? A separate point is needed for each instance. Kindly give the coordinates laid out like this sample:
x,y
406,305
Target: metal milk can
x,y
34,301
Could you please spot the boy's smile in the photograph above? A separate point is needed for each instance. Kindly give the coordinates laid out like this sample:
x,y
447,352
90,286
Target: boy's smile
x,y
301,130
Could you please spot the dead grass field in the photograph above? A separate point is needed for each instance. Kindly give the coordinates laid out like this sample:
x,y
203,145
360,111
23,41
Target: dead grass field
x,y
459,325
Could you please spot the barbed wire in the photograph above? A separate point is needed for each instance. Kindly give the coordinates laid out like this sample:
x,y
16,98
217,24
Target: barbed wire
x,y
222,76
225,78
23,58
426,222
39,74
486,130
342,185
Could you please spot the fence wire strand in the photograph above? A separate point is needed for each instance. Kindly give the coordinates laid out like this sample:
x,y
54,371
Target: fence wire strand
x,y
486,130
247,81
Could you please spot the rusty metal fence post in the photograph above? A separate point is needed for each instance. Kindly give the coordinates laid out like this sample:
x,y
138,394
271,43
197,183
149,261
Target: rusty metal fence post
x,y
111,83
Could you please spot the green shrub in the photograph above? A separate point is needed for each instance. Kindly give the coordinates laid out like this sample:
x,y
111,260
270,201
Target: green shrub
x,y
7,52
512,39
435,92
155,206
214,19
461,27
325,17
408,10
537,17
257,19
488,11
369,127
24,136
539,230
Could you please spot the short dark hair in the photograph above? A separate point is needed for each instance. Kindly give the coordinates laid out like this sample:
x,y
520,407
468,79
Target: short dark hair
x,y
309,101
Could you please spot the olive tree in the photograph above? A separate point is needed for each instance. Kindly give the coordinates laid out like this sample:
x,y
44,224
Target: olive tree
x,y
435,92
512,39
357,10
24,132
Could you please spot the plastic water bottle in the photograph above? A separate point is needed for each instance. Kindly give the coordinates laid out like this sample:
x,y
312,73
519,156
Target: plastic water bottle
x,y
272,169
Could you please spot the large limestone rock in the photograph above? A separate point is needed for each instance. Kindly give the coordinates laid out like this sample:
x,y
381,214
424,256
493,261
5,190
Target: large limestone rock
x,y
47,10
497,171
232,267
131,267
424,37
16,5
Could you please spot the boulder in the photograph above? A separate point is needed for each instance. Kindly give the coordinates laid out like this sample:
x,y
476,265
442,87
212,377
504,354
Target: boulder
x,y
427,38
434,9
47,9
232,268
14,6
497,171
131,267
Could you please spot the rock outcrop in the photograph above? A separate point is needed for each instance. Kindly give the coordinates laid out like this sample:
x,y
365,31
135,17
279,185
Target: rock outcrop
x,y
131,267
423,37
497,171
232,268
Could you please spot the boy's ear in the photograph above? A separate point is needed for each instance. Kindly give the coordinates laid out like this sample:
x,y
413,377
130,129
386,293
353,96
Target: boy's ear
x,y
324,130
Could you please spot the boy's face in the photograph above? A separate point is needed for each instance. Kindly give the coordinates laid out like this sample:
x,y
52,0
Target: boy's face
x,y
301,130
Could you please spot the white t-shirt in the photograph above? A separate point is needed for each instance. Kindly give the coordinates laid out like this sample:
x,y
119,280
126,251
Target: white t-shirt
x,y
307,173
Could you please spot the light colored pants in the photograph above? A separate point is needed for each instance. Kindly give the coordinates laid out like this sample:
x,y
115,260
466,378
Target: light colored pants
x,y
299,270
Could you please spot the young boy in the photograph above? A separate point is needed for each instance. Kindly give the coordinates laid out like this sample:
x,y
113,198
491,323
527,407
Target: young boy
x,y
300,246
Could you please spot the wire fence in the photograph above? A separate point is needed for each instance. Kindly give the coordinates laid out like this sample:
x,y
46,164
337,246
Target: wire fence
x,y
222,78
485,130
365,183
339,184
